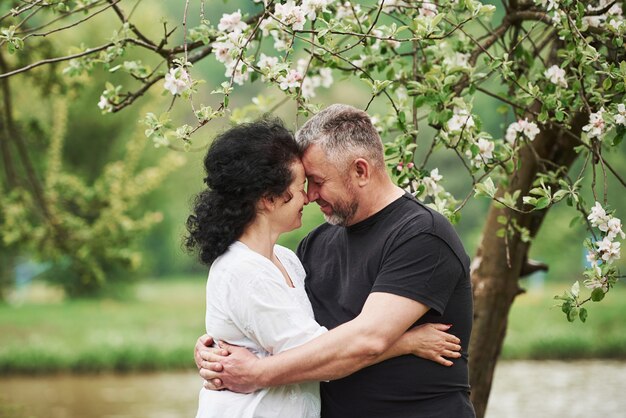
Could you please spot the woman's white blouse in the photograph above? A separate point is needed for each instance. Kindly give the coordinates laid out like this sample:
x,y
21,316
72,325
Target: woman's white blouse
x,y
250,305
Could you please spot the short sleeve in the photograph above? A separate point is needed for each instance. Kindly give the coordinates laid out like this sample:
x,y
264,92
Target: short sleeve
x,y
423,268
266,312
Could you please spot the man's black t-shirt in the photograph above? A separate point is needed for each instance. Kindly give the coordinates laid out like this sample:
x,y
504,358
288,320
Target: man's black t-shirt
x,y
408,250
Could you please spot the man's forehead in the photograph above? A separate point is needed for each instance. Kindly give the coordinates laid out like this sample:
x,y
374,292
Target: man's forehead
x,y
314,161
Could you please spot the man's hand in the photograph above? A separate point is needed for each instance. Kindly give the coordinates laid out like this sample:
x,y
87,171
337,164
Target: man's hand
x,y
228,367
235,371
208,369
432,342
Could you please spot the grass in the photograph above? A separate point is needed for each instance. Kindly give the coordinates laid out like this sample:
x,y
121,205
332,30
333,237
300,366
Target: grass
x,y
538,330
157,328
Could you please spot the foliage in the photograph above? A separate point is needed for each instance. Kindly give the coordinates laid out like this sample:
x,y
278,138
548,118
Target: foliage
x,y
550,62
89,230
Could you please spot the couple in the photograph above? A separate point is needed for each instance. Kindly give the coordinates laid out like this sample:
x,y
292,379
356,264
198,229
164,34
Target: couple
x,y
379,274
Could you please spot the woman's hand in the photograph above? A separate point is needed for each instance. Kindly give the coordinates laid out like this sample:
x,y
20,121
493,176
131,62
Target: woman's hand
x,y
432,342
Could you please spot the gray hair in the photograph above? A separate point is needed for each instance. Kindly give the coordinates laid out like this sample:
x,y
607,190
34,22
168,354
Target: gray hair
x,y
343,132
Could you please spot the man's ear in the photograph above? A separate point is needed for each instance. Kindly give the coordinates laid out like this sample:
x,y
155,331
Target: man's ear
x,y
362,171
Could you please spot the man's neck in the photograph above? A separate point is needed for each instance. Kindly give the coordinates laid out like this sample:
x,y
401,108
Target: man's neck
x,y
376,198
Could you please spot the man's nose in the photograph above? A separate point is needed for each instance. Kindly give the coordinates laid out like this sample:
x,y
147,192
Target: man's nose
x,y
311,192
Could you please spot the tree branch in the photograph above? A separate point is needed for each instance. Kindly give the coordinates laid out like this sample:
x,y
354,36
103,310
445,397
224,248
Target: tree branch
x,y
57,59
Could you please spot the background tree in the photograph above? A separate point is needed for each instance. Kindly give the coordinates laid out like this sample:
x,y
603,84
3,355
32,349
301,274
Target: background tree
x,y
556,70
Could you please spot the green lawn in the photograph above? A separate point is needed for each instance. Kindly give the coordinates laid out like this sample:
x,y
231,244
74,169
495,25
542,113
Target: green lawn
x,y
154,330
158,327
538,330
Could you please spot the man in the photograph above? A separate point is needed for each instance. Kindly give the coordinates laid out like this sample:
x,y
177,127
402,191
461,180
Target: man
x,y
381,264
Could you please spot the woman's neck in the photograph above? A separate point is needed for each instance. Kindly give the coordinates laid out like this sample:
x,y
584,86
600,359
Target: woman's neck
x,y
260,237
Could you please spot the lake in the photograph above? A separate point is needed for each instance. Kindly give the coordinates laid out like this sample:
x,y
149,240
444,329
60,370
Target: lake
x,y
522,389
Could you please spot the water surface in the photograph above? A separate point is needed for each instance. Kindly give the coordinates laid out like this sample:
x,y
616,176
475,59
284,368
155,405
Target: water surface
x,y
522,389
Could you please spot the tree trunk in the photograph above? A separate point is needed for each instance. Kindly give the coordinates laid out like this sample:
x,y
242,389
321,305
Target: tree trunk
x,y
498,263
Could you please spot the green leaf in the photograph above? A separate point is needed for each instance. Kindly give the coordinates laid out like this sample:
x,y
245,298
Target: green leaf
x,y
597,294
542,203
560,194
572,314
583,314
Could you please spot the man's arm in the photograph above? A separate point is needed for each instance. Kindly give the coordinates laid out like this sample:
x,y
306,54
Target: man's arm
x,y
384,318
429,341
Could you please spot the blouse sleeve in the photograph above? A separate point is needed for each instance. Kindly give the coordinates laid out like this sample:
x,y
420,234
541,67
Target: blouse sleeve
x,y
265,311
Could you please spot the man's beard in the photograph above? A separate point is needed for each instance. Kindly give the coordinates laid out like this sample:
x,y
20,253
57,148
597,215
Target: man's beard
x,y
343,211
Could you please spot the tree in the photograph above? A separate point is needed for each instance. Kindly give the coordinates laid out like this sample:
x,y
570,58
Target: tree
x,y
557,67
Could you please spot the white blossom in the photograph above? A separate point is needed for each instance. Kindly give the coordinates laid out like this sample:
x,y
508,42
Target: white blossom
x,y
326,77
457,60
222,50
591,257
550,4
311,7
620,116
266,63
614,228
177,80
291,15
430,182
526,128
104,104
598,281
485,152
461,120
359,62
345,10
393,5
556,75
615,25
292,79
598,20
308,86
485,148
529,129
428,9
596,126
265,25
610,250
232,22
281,43
239,76
598,217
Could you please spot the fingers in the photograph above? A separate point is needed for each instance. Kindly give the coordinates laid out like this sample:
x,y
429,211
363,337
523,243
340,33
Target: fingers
x,y
207,373
443,361
206,340
452,347
212,366
227,348
213,354
441,327
213,384
452,338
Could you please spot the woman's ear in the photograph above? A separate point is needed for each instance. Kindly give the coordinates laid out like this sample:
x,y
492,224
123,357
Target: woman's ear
x,y
266,203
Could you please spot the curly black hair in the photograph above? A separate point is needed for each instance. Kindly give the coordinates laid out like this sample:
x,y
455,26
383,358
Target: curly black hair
x,y
243,164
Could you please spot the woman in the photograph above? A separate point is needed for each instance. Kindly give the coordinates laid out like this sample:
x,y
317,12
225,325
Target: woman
x,y
255,290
